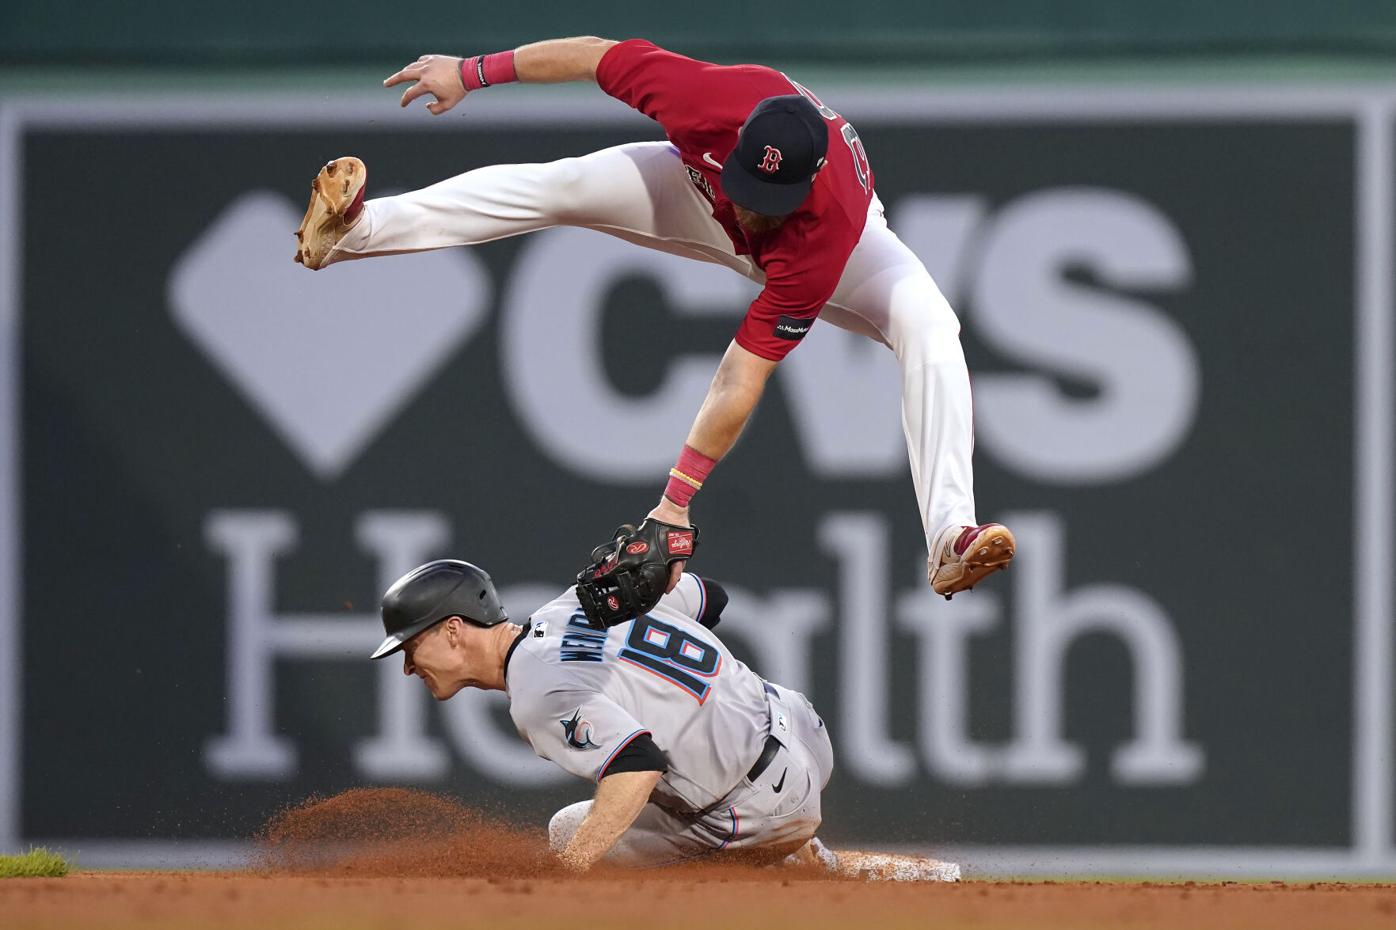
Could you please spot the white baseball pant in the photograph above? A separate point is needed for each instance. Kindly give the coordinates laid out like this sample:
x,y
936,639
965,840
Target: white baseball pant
x,y
640,192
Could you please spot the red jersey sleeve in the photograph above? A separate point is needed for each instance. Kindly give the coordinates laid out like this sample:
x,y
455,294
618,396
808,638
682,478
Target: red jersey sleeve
x,y
797,287
648,78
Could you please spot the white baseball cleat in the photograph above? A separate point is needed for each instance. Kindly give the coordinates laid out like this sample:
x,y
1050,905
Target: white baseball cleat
x,y
963,556
336,202
876,867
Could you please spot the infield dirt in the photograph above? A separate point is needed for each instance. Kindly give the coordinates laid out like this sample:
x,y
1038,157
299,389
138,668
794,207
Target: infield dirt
x,y
402,860
700,902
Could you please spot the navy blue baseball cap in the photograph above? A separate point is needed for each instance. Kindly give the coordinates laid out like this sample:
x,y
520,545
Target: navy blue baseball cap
x,y
779,151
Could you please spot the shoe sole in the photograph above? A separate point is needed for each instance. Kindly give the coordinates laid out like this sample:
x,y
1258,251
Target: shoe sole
x,y
887,867
991,551
336,187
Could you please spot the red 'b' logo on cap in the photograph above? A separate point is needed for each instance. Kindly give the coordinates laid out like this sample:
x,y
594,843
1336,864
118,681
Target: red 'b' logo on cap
x,y
771,161
681,543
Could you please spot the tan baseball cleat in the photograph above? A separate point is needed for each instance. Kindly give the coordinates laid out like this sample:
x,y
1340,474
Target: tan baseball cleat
x,y
336,202
965,555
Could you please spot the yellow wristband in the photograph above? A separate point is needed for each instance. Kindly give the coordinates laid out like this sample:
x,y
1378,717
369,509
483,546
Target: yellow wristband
x,y
686,479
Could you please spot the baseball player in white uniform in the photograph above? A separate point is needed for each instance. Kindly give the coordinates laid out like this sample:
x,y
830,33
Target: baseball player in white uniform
x,y
692,752
757,175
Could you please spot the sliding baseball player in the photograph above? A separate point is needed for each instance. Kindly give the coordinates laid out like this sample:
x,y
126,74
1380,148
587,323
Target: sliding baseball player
x,y
692,753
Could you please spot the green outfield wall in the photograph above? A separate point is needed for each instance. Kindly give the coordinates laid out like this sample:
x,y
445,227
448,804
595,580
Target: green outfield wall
x,y
263,32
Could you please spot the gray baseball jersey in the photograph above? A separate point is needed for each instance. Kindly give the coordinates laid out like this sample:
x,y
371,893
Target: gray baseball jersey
x,y
580,695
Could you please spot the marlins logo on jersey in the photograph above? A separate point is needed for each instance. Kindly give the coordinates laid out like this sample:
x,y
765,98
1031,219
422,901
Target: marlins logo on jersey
x,y
578,731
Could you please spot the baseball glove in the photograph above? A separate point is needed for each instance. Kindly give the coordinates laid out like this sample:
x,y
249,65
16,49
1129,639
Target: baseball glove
x,y
627,575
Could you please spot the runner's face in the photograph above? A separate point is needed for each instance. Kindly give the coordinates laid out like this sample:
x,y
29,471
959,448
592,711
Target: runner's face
x,y
431,657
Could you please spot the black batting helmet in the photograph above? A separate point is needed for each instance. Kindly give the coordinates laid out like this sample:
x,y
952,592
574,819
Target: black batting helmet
x,y
434,592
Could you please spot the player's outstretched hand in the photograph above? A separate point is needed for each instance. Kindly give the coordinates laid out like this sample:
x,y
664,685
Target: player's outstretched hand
x,y
671,513
437,75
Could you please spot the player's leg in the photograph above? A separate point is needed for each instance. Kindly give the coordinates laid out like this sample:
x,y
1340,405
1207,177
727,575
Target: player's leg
x,y
656,838
887,294
639,192
807,728
783,808
810,743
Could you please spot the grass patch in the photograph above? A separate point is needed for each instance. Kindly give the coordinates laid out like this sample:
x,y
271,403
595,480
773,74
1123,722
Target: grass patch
x,y
37,863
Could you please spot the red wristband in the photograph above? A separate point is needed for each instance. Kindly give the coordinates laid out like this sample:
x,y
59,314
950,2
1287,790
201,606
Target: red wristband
x,y
486,70
687,475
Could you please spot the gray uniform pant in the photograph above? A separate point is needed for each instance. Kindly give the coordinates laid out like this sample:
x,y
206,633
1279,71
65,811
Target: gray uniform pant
x,y
779,811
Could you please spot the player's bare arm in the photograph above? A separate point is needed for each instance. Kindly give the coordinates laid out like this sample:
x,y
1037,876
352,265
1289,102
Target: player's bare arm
x,y
553,61
735,391
618,801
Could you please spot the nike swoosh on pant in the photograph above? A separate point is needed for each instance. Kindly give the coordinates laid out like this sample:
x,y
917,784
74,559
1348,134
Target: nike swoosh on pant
x,y
780,784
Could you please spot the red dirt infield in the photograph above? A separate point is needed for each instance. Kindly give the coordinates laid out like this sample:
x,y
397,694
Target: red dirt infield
x,y
700,901
404,860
